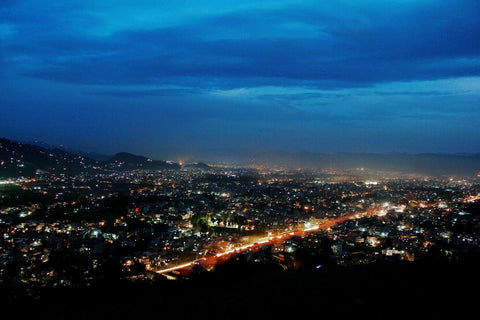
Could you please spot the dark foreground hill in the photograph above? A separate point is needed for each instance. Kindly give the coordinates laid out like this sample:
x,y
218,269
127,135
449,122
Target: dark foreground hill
x,y
427,290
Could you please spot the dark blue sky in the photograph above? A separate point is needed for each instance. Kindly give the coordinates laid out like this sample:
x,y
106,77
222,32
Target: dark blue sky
x,y
168,78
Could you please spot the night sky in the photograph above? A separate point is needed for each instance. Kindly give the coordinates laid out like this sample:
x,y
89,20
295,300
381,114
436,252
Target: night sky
x,y
168,78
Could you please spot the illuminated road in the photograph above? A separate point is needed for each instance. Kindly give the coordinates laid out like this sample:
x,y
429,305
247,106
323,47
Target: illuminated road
x,y
209,262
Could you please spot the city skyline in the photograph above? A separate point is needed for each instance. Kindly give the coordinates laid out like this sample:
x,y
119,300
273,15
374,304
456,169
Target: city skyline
x,y
193,78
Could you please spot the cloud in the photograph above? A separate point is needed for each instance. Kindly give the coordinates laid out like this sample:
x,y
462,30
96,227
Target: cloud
x,y
6,31
246,45
141,93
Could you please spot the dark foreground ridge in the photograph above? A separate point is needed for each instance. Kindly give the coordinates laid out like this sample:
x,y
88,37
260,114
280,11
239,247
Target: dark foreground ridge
x,y
420,290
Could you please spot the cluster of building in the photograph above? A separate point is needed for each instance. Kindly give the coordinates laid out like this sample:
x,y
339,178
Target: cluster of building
x,y
78,230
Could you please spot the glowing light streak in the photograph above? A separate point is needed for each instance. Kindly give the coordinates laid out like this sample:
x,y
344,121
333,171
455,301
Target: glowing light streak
x,y
181,266
312,228
382,213
325,225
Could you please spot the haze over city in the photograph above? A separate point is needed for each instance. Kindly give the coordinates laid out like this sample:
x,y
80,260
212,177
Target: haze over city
x,y
172,78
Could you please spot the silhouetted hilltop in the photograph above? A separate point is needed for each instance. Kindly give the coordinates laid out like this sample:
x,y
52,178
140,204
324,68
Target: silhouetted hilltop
x,y
22,159
127,161
197,165
26,160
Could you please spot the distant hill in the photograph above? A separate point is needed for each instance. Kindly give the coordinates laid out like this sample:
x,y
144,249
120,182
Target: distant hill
x,y
427,163
196,165
128,161
22,159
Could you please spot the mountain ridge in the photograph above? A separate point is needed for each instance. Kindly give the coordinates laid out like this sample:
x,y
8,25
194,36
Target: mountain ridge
x,y
126,160
24,159
19,159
